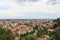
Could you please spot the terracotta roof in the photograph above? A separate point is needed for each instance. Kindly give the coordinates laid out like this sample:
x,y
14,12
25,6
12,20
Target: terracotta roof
x,y
41,38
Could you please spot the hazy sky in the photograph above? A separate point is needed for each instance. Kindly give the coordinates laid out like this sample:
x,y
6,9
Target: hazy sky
x,y
29,9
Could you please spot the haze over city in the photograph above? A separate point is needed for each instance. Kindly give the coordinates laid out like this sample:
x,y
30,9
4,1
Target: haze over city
x,y
29,9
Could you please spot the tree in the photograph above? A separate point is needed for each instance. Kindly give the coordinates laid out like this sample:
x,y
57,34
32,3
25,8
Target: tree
x,y
58,22
57,30
6,34
55,34
52,37
35,27
40,33
22,36
31,37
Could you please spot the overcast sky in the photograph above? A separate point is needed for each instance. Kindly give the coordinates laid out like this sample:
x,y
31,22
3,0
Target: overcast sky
x,y
29,9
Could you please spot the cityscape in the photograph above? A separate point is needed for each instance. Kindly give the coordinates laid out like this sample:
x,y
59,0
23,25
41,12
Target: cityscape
x,y
29,19
29,29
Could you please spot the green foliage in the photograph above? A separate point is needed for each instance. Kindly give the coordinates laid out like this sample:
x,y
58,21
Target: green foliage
x,y
35,27
55,34
52,37
58,22
57,30
22,38
40,33
31,37
23,35
31,32
6,34
27,33
28,24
